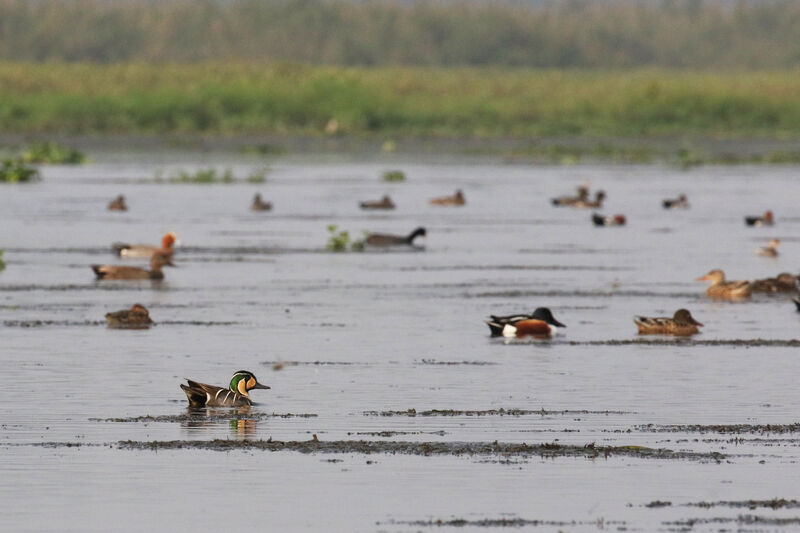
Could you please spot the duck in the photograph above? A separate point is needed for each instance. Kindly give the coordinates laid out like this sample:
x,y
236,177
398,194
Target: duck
x,y
681,202
259,204
383,239
135,317
771,249
118,204
236,395
682,323
728,290
130,272
144,250
497,323
765,220
616,220
583,195
585,203
541,324
783,282
456,199
383,203
797,303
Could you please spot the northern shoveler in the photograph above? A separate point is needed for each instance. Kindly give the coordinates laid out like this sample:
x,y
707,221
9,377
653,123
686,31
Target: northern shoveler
x,y
456,199
681,202
118,204
383,203
681,323
583,196
765,220
727,290
259,204
783,282
597,203
129,272
616,220
541,324
135,317
383,239
496,323
771,249
144,250
236,395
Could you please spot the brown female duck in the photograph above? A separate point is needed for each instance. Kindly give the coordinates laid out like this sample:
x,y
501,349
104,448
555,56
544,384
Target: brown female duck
x,y
771,249
133,318
259,204
129,272
456,199
383,203
681,323
597,203
144,250
118,204
783,282
583,196
725,290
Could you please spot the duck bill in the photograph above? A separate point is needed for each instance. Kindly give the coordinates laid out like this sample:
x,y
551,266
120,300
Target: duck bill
x,y
703,278
559,324
695,322
260,386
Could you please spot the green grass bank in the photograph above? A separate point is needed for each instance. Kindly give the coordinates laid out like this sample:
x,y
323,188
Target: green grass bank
x,y
247,99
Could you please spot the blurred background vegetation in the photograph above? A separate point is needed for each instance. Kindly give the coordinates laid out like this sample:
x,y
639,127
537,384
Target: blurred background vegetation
x,y
421,67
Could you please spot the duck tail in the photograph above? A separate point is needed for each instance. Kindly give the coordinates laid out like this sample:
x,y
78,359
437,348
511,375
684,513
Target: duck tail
x,y
119,246
495,328
98,271
197,397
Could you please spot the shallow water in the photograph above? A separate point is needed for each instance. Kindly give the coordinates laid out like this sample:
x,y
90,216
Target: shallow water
x,y
341,338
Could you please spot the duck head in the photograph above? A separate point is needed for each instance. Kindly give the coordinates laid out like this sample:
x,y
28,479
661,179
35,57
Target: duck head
x,y
419,232
168,240
715,276
139,309
684,317
544,314
243,382
768,216
600,196
773,243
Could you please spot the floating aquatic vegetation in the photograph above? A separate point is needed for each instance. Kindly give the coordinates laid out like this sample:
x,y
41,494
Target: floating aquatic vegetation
x,y
52,153
339,240
16,171
394,175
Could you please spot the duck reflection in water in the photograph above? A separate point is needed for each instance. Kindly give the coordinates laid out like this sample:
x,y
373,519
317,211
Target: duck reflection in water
x,y
210,421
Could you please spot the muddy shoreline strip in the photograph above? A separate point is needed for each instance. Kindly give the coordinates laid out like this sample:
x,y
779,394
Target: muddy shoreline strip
x,y
493,412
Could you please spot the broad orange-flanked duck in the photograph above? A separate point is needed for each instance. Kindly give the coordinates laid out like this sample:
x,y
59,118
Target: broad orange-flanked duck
x,y
456,199
129,272
541,324
597,203
118,204
259,204
236,395
771,249
582,196
497,323
681,323
383,203
134,318
600,220
144,250
383,239
765,220
681,202
725,290
783,282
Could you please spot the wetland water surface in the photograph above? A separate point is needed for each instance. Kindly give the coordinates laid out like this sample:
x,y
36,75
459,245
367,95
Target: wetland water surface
x,y
422,421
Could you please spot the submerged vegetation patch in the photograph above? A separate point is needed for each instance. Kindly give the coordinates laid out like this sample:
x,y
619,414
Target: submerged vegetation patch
x,y
49,152
15,170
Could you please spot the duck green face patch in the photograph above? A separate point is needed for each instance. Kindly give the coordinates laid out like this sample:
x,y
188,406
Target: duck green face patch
x,y
238,377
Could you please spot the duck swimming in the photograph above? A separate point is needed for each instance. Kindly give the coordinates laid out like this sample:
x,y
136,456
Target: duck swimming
x,y
383,239
236,395
498,323
118,204
144,250
583,195
259,204
456,199
383,203
783,282
681,202
599,196
682,323
130,272
135,317
539,325
765,220
771,249
600,220
726,290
